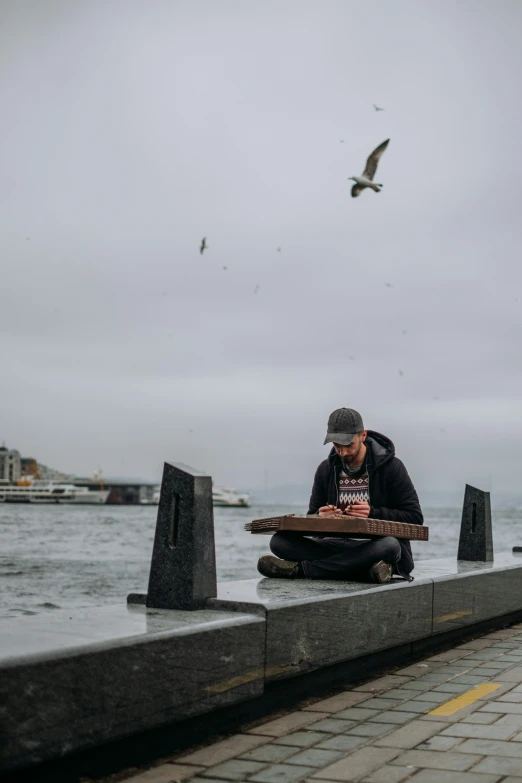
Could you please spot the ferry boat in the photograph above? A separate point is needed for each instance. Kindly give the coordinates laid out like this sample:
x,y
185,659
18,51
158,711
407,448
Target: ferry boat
x,y
221,496
49,492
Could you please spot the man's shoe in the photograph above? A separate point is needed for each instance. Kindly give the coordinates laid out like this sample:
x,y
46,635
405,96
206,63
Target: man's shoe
x,y
271,566
381,572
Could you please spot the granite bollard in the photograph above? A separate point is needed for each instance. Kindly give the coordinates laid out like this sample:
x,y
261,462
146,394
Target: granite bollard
x,y
476,537
183,566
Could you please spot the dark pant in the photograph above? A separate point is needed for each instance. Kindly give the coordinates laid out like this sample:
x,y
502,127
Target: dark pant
x,y
335,558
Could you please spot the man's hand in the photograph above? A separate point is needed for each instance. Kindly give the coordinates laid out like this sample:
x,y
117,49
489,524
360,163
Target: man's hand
x,y
358,509
329,511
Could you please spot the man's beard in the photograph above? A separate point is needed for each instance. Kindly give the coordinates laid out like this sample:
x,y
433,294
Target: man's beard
x,y
352,460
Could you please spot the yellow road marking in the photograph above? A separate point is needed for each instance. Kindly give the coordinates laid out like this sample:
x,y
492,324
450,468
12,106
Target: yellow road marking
x,y
445,618
242,679
454,705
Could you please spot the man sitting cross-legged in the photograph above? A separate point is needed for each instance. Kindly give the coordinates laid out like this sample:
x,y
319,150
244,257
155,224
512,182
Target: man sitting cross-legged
x,y
362,477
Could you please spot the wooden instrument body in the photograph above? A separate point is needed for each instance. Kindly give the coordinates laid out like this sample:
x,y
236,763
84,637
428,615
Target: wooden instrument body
x,y
355,527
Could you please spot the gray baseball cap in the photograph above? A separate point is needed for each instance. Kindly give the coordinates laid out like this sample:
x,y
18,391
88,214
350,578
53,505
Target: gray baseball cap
x,y
343,426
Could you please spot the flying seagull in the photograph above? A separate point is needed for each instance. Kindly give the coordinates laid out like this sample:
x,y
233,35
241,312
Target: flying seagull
x,y
365,180
203,245
377,108
278,249
225,268
389,285
401,372
256,289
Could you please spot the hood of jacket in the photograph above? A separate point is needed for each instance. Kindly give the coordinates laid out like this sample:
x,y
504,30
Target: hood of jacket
x,y
379,450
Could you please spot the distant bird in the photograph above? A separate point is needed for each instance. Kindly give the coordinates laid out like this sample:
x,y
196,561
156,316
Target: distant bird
x,y
389,285
203,245
404,331
256,289
365,181
191,430
225,268
351,357
342,141
278,249
377,108
401,372
27,238
436,398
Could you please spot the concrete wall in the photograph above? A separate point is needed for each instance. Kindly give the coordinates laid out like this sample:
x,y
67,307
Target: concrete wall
x,y
77,680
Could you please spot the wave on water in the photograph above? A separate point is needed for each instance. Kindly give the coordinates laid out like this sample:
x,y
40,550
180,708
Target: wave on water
x,y
17,611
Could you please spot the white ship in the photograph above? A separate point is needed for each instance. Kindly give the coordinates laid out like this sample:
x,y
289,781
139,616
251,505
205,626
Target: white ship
x,y
221,496
49,492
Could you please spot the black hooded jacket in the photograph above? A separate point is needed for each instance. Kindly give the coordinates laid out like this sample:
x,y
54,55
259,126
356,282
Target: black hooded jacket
x,y
392,494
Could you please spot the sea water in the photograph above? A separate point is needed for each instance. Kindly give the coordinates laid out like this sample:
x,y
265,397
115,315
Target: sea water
x,y
65,556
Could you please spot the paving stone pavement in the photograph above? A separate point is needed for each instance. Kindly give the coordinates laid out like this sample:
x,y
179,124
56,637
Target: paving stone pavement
x,y
455,717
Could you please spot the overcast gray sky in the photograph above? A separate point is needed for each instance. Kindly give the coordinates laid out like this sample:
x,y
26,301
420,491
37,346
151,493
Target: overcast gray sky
x,y
130,130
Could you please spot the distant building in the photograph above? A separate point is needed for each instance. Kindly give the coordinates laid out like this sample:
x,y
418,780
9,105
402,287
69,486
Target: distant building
x,y
14,468
29,467
10,465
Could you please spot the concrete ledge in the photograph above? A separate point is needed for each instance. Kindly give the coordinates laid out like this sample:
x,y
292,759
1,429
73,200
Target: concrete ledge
x,y
313,624
71,682
116,672
473,592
